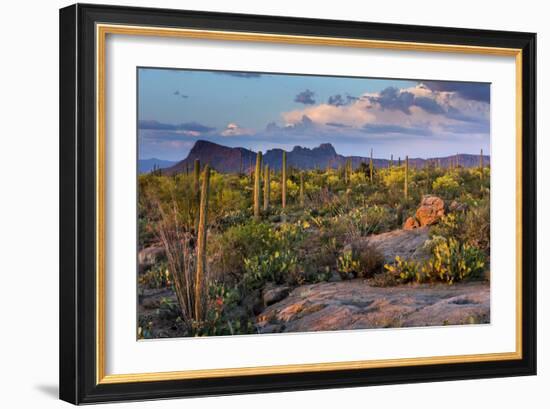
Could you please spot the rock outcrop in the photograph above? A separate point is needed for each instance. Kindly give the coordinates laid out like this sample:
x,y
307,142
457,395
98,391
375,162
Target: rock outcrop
x,y
356,305
432,208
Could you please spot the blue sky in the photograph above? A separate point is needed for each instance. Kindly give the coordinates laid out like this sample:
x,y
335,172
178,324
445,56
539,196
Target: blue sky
x,y
264,111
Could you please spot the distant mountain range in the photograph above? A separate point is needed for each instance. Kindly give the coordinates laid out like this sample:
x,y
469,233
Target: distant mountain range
x,y
232,160
147,165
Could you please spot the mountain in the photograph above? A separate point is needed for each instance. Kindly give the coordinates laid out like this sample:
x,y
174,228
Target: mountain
x,y
232,160
146,165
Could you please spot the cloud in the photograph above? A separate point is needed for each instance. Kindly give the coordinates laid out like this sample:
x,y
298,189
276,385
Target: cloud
x,y
337,125
185,127
338,100
239,74
467,90
179,94
305,97
394,99
303,124
429,105
233,129
416,110
396,129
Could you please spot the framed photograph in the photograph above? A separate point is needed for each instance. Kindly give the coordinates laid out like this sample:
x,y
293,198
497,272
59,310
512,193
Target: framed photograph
x,y
258,203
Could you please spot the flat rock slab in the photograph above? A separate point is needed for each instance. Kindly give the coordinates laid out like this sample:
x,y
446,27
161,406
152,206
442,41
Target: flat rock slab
x,y
356,305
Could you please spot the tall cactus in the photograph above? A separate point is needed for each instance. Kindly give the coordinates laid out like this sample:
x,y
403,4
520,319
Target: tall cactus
x,y
391,161
283,182
196,190
196,177
266,187
399,161
370,165
302,189
481,165
406,187
257,185
201,244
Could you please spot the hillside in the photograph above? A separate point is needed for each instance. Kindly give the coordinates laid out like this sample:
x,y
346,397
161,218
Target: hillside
x,y
234,160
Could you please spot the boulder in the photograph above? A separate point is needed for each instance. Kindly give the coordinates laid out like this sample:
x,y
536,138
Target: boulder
x,y
407,244
457,206
273,294
148,256
410,224
432,208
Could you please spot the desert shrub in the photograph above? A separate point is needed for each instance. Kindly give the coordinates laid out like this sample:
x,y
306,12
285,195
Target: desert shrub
x,y
450,262
361,222
233,218
277,261
447,186
157,277
477,227
347,264
394,177
223,316
471,227
240,242
363,263
405,270
371,262
453,261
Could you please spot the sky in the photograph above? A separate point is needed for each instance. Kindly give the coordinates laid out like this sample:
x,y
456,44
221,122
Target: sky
x,y
418,118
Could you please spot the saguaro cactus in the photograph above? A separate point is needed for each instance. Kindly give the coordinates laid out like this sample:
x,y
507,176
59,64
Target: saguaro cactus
x,y
302,189
201,244
370,165
283,181
391,161
196,190
481,164
399,161
266,187
257,177
406,187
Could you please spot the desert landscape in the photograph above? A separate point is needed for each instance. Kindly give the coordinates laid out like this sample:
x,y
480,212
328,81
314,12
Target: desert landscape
x,y
233,241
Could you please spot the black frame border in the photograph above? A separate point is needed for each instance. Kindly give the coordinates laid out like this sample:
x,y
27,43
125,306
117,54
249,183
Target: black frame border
x,y
78,197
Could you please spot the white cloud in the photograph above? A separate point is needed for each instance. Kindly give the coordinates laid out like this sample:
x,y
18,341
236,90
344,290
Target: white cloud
x,y
233,129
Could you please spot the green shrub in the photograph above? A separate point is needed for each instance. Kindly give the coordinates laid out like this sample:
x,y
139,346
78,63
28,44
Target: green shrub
x,y
472,227
363,263
157,277
453,261
405,270
447,185
347,264
262,253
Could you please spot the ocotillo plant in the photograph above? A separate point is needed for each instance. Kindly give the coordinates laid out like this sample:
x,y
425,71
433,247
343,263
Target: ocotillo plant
x,y
257,177
406,187
201,244
283,182
266,188
302,189
370,165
